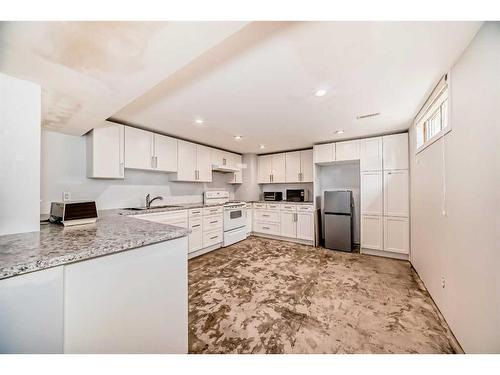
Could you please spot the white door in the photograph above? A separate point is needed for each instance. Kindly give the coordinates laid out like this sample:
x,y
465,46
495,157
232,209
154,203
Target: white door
x,y
324,153
292,161
186,161
203,164
305,226
371,193
196,236
395,151
348,150
396,234
165,152
278,168
107,148
264,169
306,165
138,148
372,232
371,154
396,193
288,224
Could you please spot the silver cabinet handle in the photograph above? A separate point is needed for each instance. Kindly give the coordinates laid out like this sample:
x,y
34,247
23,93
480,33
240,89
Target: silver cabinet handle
x,y
196,225
265,228
121,169
152,161
214,237
156,161
213,222
265,215
224,161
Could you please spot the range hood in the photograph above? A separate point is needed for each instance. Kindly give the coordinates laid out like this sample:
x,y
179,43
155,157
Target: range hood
x,y
224,168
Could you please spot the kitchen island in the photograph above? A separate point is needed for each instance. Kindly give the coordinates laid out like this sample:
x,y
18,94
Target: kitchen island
x,y
116,286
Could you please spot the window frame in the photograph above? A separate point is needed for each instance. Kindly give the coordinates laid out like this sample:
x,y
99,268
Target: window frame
x,y
434,103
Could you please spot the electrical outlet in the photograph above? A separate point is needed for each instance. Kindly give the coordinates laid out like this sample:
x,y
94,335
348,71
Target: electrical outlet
x,y
66,196
443,282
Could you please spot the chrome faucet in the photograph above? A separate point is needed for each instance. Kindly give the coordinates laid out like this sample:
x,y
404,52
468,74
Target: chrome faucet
x,y
149,200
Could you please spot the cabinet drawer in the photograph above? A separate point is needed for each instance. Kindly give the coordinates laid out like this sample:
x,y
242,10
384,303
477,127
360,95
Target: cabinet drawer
x,y
212,210
305,208
212,222
259,205
177,218
195,212
269,228
288,207
269,216
195,222
211,238
273,206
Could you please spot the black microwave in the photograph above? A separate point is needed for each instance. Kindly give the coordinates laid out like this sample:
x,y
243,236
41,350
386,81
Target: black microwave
x,y
273,196
295,195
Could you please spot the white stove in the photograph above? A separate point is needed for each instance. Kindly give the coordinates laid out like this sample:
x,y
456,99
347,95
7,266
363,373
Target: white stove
x,y
235,214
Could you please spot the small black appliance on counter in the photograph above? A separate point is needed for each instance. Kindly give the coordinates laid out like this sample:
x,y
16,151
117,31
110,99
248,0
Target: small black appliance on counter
x,y
273,196
295,195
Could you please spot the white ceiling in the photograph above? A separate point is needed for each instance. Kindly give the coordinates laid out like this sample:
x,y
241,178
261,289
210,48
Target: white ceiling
x,y
254,79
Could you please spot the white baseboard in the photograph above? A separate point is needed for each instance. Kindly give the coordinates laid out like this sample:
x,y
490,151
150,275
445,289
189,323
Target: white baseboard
x,y
204,251
289,239
386,254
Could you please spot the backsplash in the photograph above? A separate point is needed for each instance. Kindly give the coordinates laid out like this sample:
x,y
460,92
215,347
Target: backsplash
x,y
63,169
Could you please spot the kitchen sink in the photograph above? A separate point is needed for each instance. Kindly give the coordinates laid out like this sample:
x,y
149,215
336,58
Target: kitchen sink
x,y
151,208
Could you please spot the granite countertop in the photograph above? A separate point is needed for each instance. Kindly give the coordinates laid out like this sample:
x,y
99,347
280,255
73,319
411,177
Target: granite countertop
x,y
56,245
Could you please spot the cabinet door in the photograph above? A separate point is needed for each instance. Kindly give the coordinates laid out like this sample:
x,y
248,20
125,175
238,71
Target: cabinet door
x,y
196,236
395,151
138,148
292,162
396,234
105,152
264,169
396,193
288,224
348,150
203,164
249,212
31,312
305,226
324,153
371,232
216,156
371,154
165,152
186,156
371,193
233,160
278,168
306,165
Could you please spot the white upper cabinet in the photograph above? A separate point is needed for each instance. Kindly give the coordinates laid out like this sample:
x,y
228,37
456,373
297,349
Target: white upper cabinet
x,y
395,151
371,193
186,157
278,168
105,152
165,153
306,165
264,169
348,150
324,153
371,154
396,193
292,166
138,149
203,164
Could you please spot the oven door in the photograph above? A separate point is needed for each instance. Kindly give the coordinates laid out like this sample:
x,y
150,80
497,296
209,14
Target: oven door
x,y
234,218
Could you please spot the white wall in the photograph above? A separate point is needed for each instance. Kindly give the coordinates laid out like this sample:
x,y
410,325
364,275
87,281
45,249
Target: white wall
x,y
341,176
64,169
455,194
249,189
20,103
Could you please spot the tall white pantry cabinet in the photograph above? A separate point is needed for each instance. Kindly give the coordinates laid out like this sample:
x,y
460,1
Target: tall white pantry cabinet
x,y
385,194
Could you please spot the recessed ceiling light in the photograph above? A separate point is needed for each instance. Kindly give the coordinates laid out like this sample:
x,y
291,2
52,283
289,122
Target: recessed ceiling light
x,y
237,137
339,132
320,92
199,121
262,147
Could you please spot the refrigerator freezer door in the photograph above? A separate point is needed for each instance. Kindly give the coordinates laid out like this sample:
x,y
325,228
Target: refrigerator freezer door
x,y
337,202
338,232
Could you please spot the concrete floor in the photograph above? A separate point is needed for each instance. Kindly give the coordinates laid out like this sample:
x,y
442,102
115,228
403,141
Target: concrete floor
x,y
270,296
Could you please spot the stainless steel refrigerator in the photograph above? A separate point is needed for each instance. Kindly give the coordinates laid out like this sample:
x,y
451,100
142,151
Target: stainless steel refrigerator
x,y
338,210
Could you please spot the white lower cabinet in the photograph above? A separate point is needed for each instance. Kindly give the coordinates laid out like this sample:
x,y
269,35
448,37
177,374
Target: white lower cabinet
x,y
288,224
268,228
396,234
249,220
31,312
196,235
305,226
372,232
